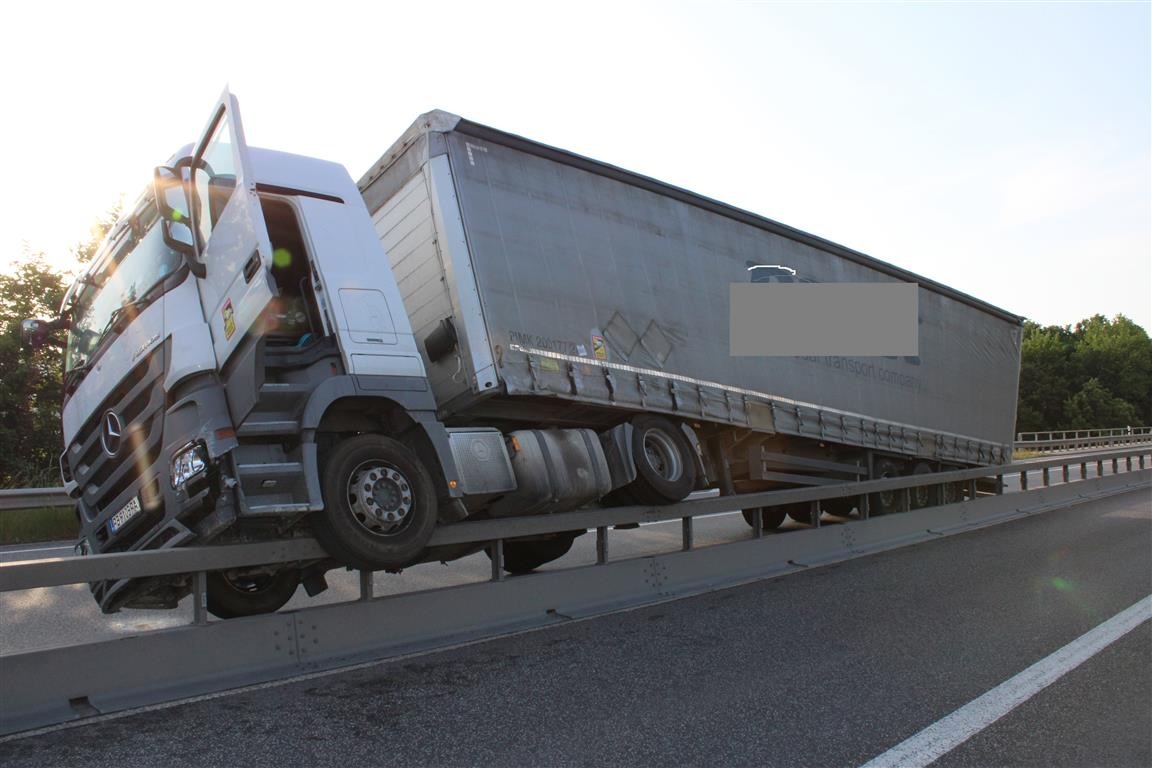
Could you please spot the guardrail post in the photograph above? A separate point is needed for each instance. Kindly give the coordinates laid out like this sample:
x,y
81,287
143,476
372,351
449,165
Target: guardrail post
x,y
686,530
498,560
365,585
1115,465
1044,474
200,598
1024,480
907,494
972,489
1083,470
758,523
1100,468
999,485
601,545
1128,463
862,505
1065,472
1141,461
814,515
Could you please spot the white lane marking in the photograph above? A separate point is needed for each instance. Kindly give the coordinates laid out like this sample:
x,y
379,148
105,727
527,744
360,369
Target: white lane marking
x,y
953,730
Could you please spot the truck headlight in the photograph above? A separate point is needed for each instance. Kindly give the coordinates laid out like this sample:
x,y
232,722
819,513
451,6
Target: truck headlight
x,y
188,463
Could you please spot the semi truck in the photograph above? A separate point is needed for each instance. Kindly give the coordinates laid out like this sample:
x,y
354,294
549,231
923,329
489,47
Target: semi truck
x,y
481,326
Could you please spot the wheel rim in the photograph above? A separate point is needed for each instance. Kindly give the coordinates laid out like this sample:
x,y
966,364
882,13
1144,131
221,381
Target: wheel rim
x,y
380,496
662,455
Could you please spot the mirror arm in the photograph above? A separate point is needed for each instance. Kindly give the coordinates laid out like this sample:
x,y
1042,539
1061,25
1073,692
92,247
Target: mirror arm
x,y
195,266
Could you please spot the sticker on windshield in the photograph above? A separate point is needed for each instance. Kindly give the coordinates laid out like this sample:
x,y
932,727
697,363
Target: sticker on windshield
x,y
229,320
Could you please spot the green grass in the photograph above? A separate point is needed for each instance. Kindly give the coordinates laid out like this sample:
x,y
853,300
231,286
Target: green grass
x,y
21,526
1024,453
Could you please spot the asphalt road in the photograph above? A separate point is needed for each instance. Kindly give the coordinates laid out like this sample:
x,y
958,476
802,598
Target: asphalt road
x,y
58,616
827,667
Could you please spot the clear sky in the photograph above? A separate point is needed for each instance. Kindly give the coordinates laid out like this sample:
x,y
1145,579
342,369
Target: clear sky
x,y
1001,148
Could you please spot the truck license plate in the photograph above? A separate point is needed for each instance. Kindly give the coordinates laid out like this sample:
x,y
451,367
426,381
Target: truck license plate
x,y
126,513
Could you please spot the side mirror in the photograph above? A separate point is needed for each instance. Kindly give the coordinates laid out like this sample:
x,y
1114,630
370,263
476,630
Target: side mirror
x,y
34,333
175,223
178,237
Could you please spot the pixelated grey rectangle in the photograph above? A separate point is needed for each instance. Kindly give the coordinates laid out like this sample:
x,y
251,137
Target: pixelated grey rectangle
x,y
801,319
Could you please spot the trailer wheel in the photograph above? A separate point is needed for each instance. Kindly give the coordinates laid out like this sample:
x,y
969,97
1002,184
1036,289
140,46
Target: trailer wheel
x,y
379,504
885,502
840,507
526,556
925,495
665,462
773,517
953,493
232,594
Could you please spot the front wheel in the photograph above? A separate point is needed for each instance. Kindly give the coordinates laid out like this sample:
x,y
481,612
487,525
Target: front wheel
x,y
232,594
379,504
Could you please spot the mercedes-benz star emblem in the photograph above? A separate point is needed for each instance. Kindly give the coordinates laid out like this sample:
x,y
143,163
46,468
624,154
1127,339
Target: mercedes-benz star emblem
x,y
111,433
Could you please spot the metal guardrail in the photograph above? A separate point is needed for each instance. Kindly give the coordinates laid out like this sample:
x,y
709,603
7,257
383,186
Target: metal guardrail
x,y
74,570
58,684
1076,434
35,498
1086,441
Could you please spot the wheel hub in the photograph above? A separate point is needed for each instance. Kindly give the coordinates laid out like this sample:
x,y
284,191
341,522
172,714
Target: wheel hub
x,y
662,455
380,497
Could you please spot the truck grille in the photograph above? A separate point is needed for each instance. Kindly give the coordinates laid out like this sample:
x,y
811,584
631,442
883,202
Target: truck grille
x,y
138,402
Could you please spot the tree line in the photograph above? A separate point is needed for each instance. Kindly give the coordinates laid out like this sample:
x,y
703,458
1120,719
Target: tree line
x,y
31,381
1095,374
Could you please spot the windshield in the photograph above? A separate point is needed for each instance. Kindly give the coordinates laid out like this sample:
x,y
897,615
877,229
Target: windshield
x,y
139,261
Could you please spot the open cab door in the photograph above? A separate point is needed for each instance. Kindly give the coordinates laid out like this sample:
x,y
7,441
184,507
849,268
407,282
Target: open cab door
x,y
233,253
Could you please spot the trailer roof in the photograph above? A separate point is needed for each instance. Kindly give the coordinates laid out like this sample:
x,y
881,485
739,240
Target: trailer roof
x,y
439,121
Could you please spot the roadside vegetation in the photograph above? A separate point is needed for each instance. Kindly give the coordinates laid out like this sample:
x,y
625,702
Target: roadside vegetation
x,y
25,526
1094,375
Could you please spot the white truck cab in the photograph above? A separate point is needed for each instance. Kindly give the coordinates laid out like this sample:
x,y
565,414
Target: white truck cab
x,y
208,346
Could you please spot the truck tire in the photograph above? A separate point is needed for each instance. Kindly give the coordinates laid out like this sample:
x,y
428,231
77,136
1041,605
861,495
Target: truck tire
x,y
665,462
801,512
925,495
526,556
232,595
885,502
773,517
379,504
840,507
